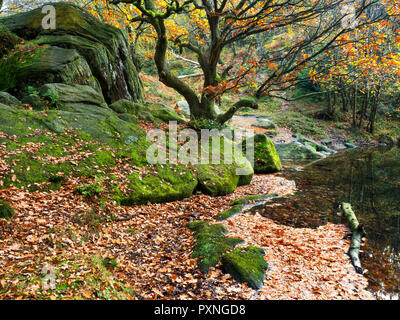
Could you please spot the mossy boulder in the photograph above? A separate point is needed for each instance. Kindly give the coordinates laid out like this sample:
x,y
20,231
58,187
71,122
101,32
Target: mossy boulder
x,y
246,265
163,113
233,169
242,165
104,48
266,159
320,147
156,113
216,180
35,102
211,243
100,124
246,172
123,106
6,210
152,112
72,97
104,139
34,66
9,100
265,124
297,150
160,184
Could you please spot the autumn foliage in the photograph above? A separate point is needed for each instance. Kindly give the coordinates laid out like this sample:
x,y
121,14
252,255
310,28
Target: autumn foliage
x,y
342,46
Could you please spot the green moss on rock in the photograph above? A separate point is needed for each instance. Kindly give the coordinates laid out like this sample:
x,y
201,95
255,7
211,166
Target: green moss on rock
x,y
155,112
246,265
211,243
104,47
73,97
233,169
246,172
160,184
297,150
266,159
252,198
8,41
103,139
123,106
9,100
216,180
32,65
6,210
230,212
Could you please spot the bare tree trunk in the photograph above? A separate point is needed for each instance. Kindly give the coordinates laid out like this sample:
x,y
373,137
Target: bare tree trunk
x,y
343,96
364,109
355,107
372,117
344,101
329,111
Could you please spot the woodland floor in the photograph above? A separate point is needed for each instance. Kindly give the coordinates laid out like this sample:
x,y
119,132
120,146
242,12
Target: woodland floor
x,y
144,252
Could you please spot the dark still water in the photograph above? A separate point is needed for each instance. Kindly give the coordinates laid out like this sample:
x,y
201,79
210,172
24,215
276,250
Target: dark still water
x,y
369,179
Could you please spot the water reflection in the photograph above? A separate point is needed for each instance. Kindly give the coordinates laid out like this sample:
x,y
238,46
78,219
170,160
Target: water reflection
x,y
370,180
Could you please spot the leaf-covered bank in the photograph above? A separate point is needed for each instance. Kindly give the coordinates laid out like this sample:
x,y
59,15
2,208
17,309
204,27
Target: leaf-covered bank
x,y
113,252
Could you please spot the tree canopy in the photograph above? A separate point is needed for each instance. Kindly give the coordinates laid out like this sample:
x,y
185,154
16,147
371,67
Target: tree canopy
x,y
273,44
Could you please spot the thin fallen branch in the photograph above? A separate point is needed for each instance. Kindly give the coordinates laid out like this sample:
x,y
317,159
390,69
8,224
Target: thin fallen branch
x,y
194,75
185,59
357,232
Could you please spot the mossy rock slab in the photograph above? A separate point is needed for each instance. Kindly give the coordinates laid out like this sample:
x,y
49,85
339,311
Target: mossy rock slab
x,y
297,150
35,102
246,172
230,212
104,47
44,65
253,198
9,100
68,96
319,147
246,265
101,124
266,159
244,168
211,243
123,106
104,66
6,210
156,113
107,138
